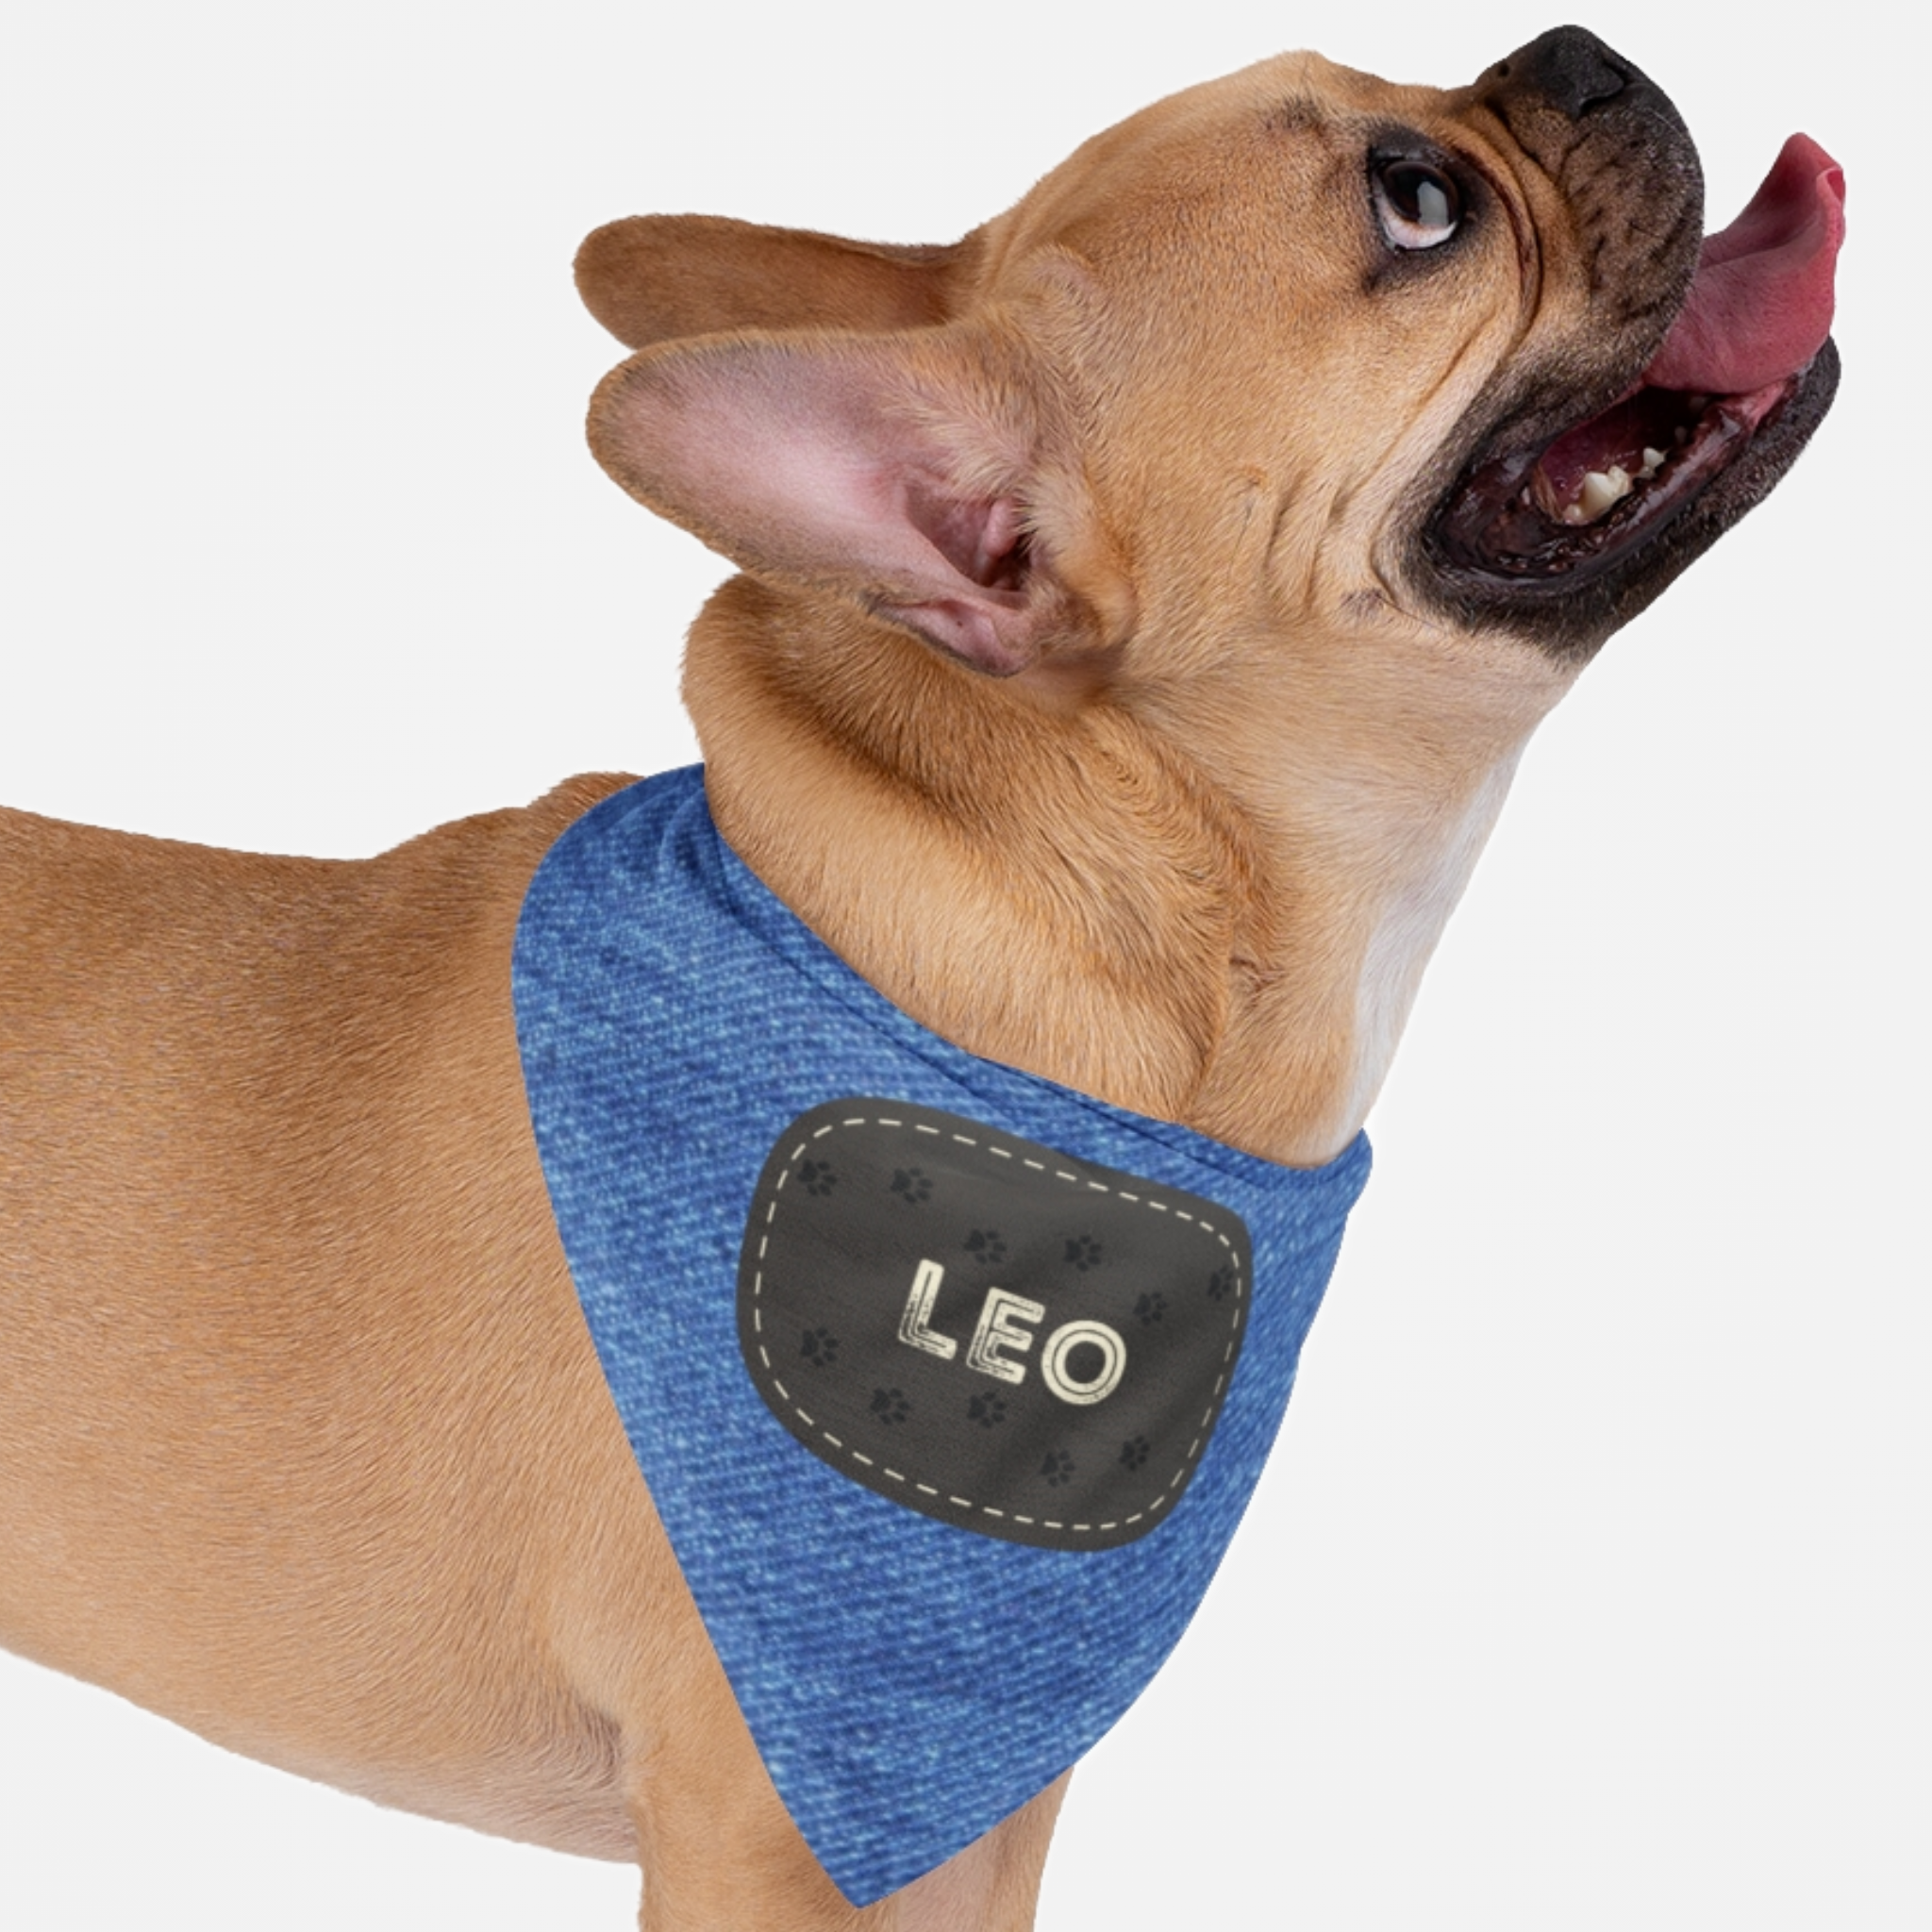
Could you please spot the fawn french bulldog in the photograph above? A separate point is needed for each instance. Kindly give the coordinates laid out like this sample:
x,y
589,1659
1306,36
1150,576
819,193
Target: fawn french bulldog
x,y
1143,604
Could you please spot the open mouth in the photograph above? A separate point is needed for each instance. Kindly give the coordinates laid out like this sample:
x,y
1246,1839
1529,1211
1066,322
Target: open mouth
x,y
1744,349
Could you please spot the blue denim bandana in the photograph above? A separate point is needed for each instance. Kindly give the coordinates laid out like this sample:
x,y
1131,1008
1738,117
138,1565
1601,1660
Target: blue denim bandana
x,y
950,1384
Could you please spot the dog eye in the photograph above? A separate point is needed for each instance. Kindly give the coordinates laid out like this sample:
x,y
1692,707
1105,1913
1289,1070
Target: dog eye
x,y
1419,206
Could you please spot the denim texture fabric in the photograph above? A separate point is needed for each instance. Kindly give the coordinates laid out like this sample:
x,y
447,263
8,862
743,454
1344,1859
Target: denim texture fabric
x,y
907,1682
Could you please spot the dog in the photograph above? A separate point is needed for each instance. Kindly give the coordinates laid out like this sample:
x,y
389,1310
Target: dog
x,y
1116,713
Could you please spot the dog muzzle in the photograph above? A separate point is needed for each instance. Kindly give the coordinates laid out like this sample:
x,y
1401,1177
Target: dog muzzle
x,y
950,1384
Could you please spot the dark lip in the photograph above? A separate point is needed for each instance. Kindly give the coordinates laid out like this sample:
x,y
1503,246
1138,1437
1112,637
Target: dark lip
x,y
1492,558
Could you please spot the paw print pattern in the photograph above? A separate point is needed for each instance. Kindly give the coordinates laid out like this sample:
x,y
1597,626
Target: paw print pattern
x,y
1083,1251
1220,1284
821,1347
985,1244
1134,1452
817,1177
889,1405
989,1411
1058,1468
912,1185
1150,1309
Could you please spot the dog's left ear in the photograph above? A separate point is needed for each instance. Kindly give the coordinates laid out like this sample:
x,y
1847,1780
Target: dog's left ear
x,y
920,474
653,278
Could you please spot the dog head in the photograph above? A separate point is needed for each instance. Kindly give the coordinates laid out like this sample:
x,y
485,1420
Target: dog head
x,y
1295,351
1172,569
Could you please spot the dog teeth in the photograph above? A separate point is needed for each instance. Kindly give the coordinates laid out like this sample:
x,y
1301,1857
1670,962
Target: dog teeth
x,y
1602,489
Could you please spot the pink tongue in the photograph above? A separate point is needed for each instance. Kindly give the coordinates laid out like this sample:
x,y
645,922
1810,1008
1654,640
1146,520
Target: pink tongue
x,y
1760,305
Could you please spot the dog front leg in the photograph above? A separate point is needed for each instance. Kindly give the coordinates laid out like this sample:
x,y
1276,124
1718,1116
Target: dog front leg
x,y
720,1855
992,1886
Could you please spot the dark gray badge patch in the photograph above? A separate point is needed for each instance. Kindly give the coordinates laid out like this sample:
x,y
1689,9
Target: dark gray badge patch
x,y
986,1330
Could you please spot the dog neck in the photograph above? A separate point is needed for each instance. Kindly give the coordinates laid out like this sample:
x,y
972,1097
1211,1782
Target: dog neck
x,y
1203,900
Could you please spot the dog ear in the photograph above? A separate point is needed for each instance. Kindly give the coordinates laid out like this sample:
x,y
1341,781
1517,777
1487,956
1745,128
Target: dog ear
x,y
653,278
914,473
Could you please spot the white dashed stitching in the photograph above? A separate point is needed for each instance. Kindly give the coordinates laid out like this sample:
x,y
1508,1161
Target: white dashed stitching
x,y
1039,1167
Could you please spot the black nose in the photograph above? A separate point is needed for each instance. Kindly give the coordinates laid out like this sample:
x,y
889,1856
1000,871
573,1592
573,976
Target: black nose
x,y
1569,68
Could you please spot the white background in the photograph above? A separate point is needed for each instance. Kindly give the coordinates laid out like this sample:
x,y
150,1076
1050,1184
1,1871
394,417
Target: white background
x,y
1586,1589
